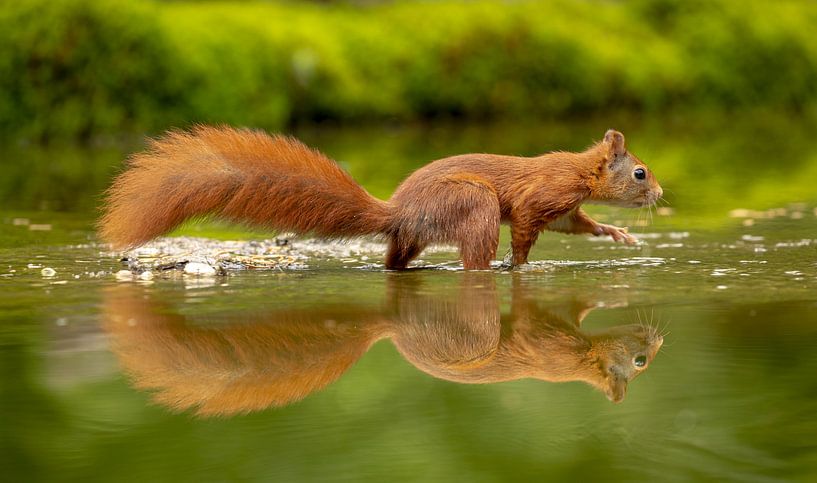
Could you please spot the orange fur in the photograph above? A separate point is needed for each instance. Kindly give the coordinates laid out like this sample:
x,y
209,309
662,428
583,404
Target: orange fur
x,y
277,182
241,175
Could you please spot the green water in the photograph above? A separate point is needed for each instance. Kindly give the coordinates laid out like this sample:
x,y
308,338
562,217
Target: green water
x,y
344,372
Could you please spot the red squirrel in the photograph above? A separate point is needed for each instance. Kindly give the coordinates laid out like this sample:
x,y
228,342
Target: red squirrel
x,y
277,182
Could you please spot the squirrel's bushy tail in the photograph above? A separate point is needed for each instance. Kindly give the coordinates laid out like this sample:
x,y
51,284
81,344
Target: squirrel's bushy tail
x,y
241,175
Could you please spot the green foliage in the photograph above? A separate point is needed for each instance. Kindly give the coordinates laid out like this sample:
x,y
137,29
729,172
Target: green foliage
x,y
74,68
79,68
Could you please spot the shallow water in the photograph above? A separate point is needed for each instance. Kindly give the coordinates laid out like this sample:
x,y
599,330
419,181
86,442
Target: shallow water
x,y
338,370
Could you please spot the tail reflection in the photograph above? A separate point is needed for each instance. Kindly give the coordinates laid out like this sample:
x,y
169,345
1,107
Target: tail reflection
x,y
249,362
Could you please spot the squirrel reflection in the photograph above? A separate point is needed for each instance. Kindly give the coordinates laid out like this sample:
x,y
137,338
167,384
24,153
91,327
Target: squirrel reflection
x,y
254,361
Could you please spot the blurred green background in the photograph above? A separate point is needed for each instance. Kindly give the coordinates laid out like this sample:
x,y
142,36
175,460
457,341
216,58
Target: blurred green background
x,y
82,69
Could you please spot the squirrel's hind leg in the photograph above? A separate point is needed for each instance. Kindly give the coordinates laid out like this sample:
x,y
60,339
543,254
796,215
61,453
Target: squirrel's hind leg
x,y
476,231
465,211
478,252
401,252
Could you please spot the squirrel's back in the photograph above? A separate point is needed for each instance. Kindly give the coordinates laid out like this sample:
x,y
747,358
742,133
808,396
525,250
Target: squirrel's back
x,y
241,175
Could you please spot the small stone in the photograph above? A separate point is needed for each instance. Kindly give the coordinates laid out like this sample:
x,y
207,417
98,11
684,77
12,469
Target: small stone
x,y
48,272
146,275
199,269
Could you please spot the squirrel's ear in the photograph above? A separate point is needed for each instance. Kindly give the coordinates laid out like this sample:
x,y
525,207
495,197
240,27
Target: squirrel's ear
x,y
614,141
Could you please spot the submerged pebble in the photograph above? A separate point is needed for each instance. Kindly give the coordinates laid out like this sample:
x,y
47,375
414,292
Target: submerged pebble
x,y
48,272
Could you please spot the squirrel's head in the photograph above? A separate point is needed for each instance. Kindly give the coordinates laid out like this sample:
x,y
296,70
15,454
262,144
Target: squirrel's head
x,y
622,354
620,178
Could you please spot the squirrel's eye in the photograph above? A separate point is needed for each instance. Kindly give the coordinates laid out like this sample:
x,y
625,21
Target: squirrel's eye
x,y
640,361
639,173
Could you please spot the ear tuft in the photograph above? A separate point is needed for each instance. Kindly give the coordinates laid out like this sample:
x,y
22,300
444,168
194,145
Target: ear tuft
x,y
615,142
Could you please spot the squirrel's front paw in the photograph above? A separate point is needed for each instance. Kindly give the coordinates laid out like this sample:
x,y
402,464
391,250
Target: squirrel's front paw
x,y
617,233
